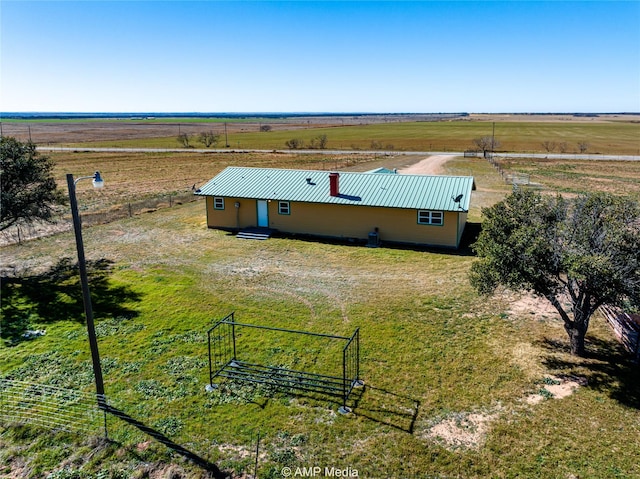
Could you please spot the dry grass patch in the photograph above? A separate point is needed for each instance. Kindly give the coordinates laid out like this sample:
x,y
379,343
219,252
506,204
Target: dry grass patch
x,y
579,176
130,176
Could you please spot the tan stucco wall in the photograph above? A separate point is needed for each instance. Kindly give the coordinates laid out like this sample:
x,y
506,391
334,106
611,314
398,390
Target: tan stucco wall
x,y
231,217
341,221
462,222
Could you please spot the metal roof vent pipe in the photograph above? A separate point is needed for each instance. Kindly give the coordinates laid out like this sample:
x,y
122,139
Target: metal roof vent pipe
x,y
334,189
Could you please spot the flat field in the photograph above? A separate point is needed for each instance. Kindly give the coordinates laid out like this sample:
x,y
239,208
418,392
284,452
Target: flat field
x,y
578,176
455,385
607,134
134,176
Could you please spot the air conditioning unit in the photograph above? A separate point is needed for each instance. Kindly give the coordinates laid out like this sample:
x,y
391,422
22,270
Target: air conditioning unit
x,y
374,240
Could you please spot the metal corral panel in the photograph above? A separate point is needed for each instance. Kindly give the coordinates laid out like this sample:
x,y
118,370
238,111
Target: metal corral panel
x,y
367,189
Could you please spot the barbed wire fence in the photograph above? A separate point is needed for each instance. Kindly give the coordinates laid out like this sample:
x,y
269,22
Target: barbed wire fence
x,y
512,178
96,214
50,407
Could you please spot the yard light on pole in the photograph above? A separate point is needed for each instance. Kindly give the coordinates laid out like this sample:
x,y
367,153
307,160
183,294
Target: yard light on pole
x,y
98,182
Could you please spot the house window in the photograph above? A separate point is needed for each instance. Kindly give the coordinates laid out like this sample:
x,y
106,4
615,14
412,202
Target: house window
x,y
283,208
426,217
218,203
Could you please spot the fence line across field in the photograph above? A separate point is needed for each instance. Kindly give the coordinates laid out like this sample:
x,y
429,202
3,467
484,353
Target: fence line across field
x,y
94,214
74,411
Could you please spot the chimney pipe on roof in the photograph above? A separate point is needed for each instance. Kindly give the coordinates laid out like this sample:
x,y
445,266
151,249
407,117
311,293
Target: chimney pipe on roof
x,y
334,189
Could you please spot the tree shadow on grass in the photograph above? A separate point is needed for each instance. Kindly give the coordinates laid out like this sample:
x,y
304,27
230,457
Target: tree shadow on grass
x,y
56,295
607,367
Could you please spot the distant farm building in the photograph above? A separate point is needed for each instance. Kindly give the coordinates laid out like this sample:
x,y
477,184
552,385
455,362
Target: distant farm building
x,y
379,205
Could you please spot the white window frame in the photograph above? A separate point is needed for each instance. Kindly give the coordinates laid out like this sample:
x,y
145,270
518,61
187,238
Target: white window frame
x,y
429,217
284,208
218,203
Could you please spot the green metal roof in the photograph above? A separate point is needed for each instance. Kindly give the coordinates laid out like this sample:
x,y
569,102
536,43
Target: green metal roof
x,y
423,192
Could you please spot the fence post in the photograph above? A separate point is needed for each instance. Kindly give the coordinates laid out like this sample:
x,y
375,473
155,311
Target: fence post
x,y
106,431
357,354
210,365
233,333
344,409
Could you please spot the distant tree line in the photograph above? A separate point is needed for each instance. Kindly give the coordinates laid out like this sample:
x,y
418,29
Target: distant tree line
x,y
562,146
488,144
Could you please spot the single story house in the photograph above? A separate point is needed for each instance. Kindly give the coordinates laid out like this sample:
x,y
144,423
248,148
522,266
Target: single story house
x,y
383,205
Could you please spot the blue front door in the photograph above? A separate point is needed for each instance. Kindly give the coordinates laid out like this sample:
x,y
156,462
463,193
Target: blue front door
x,y
263,214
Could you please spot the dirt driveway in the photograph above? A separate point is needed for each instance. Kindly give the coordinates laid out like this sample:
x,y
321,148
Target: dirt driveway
x,y
431,165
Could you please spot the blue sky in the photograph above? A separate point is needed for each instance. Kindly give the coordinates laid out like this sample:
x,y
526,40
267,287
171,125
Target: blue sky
x,y
307,56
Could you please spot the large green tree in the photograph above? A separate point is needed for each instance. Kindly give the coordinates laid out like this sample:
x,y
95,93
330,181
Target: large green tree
x,y
578,254
28,190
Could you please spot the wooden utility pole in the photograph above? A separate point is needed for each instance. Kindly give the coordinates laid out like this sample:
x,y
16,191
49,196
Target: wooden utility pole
x,y
493,138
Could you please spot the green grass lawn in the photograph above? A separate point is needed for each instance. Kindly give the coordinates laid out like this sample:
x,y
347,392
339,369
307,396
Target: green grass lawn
x,y
448,375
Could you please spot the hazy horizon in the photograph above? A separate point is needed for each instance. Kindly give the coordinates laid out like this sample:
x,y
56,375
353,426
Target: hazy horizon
x,y
296,113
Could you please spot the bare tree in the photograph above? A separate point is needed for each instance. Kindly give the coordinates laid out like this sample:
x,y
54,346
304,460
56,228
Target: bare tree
x,y
549,146
486,143
562,147
265,127
319,141
184,139
294,143
583,146
208,138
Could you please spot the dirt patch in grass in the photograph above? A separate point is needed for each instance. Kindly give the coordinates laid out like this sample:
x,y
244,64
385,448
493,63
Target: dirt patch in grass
x,y
459,431
531,306
466,431
556,387
16,469
241,452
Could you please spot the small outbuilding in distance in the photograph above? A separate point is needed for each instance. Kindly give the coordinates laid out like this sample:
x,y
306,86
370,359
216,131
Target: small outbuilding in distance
x,y
380,205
